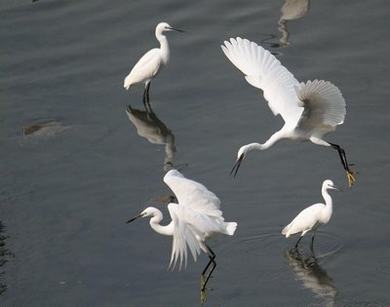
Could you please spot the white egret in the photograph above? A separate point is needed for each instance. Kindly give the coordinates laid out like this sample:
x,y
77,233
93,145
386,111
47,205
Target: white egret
x,y
312,217
310,110
151,62
195,218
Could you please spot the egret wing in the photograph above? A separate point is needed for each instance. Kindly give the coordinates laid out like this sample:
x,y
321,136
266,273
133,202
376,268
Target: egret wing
x,y
264,71
305,220
193,194
146,68
184,235
324,106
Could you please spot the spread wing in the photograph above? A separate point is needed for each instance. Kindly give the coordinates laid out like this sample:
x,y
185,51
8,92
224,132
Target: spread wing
x,y
324,106
264,71
193,194
184,235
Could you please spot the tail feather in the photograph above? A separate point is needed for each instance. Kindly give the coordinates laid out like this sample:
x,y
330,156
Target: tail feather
x,y
127,83
285,231
231,228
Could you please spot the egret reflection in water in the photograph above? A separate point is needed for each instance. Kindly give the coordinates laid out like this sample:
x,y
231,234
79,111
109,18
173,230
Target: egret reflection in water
x,y
150,127
291,10
313,276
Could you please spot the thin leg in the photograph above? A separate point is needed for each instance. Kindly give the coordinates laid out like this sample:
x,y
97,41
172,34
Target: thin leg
x,y
146,99
299,240
204,279
312,243
343,158
147,91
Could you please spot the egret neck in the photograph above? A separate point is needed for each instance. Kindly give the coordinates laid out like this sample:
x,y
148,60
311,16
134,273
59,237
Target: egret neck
x,y
155,224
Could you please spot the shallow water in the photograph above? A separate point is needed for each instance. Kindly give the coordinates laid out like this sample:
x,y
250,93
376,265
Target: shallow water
x,y
66,194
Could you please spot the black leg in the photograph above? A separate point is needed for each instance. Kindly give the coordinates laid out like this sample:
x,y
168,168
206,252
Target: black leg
x,y
344,162
146,99
147,91
211,262
312,243
299,240
341,155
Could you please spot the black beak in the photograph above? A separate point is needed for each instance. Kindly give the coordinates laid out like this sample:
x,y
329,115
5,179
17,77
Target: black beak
x,y
236,166
178,30
134,218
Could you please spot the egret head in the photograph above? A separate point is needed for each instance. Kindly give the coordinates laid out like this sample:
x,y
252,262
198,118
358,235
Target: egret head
x,y
328,184
240,156
149,211
163,27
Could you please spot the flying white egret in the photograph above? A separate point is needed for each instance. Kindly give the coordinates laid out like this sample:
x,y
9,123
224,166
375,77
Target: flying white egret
x,y
312,217
310,110
195,218
151,62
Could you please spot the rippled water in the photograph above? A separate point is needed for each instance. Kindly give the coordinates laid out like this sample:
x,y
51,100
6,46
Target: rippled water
x,y
67,190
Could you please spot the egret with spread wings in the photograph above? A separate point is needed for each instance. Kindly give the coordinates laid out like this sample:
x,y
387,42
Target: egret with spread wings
x,y
310,110
195,218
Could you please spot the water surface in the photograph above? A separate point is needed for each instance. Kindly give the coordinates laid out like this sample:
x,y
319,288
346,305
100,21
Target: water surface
x,y
66,194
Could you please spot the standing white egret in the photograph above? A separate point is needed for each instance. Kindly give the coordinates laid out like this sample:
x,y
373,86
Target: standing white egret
x,y
310,110
196,217
312,217
151,62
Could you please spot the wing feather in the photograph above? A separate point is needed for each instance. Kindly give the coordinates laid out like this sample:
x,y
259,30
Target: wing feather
x,y
324,105
184,235
264,71
193,194
146,68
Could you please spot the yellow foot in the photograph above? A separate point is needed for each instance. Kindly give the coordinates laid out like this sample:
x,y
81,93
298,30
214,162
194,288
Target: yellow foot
x,y
203,296
203,290
351,178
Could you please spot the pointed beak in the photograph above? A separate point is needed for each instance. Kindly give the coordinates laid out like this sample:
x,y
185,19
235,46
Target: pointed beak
x,y
236,166
177,30
134,218
335,188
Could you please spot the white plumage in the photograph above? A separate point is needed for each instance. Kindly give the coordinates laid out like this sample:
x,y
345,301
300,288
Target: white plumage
x,y
151,62
195,218
310,110
312,217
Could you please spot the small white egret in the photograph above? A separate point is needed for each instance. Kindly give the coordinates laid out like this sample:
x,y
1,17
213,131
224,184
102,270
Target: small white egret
x,y
312,217
195,218
310,110
151,62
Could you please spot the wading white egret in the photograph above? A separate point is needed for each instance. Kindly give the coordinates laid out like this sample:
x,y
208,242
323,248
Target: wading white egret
x,y
312,217
151,62
310,110
195,218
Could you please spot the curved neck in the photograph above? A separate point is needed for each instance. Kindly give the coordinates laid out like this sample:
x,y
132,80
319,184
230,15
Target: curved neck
x,y
276,137
164,46
155,224
327,198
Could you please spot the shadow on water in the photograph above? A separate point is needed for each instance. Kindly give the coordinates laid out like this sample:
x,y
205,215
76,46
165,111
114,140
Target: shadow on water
x,y
291,10
314,278
150,127
5,254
